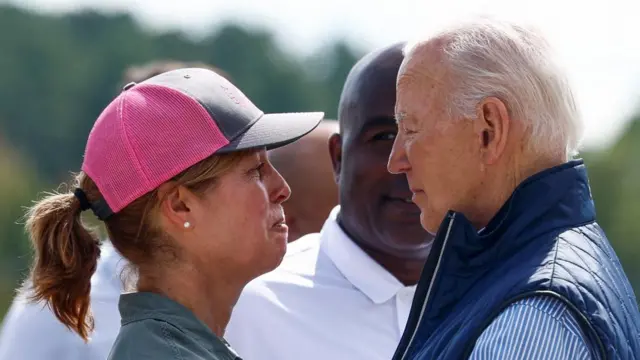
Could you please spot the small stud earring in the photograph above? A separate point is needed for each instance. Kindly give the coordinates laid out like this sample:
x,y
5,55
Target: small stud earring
x,y
187,224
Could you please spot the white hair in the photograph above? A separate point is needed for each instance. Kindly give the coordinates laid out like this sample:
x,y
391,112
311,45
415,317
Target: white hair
x,y
488,57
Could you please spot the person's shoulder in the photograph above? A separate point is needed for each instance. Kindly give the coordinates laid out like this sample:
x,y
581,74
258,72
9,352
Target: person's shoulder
x,y
146,329
25,321
24,314
154,339
582,252
584,236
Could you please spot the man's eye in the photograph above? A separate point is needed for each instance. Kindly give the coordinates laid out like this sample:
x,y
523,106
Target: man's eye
x,y
407,131
387,135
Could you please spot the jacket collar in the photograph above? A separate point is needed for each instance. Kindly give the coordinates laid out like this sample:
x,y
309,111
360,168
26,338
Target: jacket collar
x,y
140,306
555,198
552,200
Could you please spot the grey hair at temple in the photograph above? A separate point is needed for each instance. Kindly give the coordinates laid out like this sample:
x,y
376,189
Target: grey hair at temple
x,y
489,57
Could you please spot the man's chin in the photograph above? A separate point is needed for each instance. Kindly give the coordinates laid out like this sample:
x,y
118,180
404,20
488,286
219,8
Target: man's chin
x,y
429,225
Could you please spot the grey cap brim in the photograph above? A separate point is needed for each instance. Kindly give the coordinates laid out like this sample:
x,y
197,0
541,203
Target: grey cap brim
x,y
271,131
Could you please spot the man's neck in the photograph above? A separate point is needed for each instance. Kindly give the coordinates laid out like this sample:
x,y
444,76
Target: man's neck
x,y
503,183
405,270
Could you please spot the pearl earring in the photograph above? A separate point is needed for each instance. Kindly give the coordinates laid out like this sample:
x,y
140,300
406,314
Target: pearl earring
x,y
187,224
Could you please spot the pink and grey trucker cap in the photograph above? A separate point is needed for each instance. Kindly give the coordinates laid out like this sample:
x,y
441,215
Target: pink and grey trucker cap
x,y
158,128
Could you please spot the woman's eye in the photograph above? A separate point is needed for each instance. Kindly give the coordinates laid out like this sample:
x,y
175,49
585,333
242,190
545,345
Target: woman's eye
x,y
258,170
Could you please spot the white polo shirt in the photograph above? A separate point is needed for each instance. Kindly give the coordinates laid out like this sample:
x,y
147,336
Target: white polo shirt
x,y
32,332
327,300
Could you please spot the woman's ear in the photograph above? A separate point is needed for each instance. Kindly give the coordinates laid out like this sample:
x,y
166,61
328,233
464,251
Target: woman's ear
x,y
175,205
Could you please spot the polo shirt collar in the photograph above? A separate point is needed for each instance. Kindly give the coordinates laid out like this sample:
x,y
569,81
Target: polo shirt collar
x,y
356,266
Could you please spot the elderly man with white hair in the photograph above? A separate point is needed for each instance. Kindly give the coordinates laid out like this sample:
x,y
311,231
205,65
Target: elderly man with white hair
x,y
519,268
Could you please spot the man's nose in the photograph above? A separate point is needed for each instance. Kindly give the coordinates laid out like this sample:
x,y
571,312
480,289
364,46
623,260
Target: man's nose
x,y
398,162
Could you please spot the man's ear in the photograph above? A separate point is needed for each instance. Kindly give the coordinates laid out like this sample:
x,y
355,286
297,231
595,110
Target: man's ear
x,y
492,128
175,204
335,151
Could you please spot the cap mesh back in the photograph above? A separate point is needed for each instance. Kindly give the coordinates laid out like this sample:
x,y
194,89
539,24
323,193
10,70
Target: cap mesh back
x,y
146,136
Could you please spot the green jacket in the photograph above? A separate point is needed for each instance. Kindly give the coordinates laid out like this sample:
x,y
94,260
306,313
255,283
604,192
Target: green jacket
x,y
156,327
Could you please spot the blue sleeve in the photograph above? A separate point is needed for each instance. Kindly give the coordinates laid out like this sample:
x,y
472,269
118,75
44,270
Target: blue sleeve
x,y
536,328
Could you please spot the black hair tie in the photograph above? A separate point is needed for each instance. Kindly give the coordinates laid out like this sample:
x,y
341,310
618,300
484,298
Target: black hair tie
x,y
100,207
82,198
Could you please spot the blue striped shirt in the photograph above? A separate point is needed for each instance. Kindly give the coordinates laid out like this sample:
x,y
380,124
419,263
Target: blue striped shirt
x,y
535,328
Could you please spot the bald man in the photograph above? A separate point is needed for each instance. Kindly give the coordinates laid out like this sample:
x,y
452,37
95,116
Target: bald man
x,y
345,292
306,166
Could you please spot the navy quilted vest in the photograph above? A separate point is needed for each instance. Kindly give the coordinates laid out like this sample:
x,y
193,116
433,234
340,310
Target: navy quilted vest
x,y
544,240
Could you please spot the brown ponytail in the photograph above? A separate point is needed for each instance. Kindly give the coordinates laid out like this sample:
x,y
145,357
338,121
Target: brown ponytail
x,y
66,256
66,252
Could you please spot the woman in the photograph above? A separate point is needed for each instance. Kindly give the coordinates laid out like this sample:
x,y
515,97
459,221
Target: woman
x,y
176,169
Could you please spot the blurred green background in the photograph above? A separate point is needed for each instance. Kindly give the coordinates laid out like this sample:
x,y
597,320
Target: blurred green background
x,y
57,72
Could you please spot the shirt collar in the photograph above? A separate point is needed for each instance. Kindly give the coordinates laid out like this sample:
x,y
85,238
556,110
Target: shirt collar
x,y
146,305
356,266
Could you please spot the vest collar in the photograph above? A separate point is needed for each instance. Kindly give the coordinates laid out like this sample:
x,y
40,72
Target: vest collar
x,y
555,198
